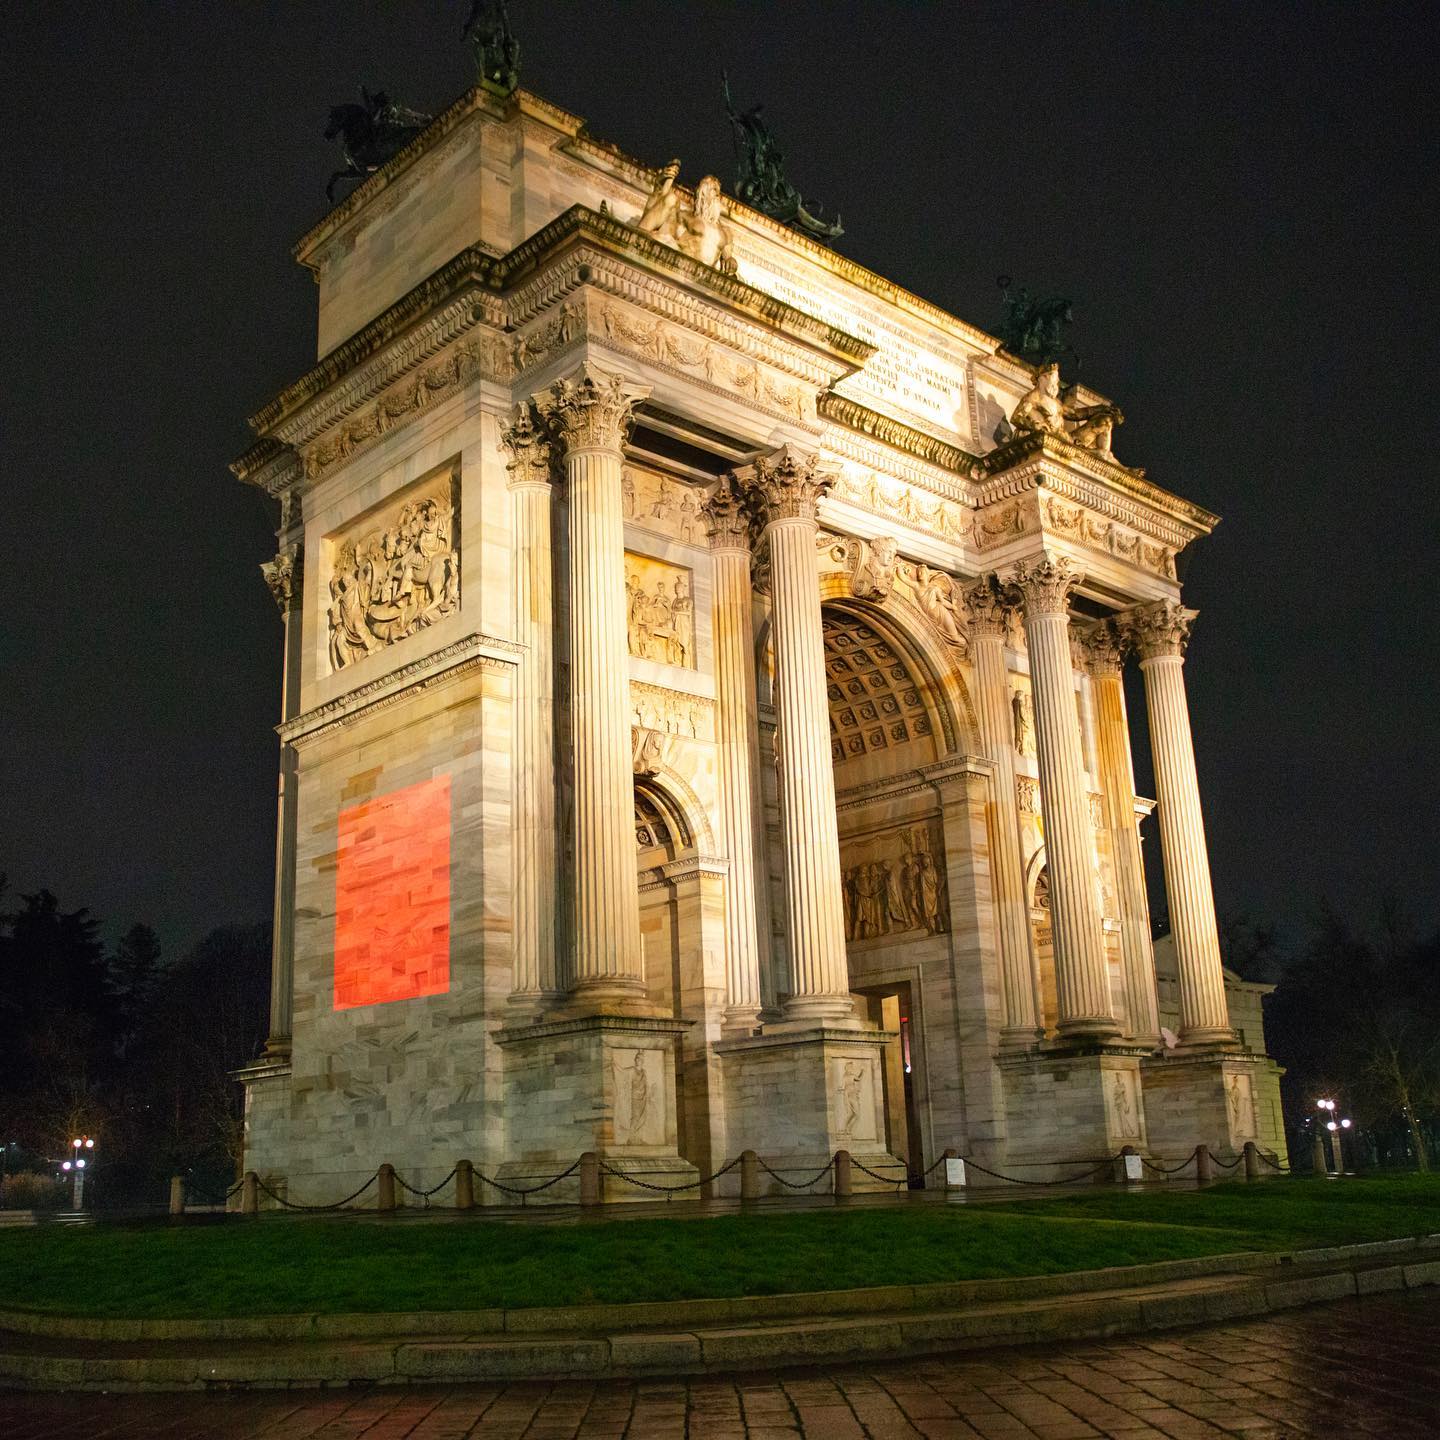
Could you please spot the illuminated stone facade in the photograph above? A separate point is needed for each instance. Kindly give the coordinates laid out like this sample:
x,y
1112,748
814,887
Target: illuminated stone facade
x,y
702,723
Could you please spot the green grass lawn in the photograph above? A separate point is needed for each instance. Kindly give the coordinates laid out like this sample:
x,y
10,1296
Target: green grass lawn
x,y
280,1264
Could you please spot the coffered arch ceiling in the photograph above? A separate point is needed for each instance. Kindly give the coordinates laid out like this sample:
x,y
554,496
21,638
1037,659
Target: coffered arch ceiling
x,y
877,703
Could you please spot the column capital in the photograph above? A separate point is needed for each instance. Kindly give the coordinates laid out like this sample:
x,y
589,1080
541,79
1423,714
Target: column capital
x,y
529,463
1044,585
988,608
284,576
727,516
1105,646
590,409
1158,629
787,486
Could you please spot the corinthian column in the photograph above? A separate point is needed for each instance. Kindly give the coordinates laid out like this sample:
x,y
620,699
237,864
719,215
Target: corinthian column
x,y
589,413
1081,980
785,491
532,824
284,575
988,615
746,914
1104,653
1160,633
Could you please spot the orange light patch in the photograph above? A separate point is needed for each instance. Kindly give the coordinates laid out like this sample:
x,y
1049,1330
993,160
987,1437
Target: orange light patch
x,y
392,897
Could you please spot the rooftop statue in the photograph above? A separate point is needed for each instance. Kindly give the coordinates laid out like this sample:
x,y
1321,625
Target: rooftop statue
x,y
761,181
1034,330
699,230
370,133
497,51
1049,410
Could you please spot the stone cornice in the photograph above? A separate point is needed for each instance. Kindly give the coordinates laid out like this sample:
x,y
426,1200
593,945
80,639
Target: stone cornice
x,y
912,782
1034,458
474,652
268,465
896,434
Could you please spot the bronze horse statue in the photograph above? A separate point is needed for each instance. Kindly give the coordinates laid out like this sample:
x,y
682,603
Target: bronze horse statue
x,y
370,133
1034,330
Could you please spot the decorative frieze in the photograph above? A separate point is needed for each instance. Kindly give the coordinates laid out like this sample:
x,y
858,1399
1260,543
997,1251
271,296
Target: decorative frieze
x,y
663,711
400,574
656,502
1077,523
898,500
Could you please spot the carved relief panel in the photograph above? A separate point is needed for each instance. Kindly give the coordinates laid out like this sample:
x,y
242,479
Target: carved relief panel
x,y
640,1100
1122,1094
660,611
894,884
855,1099
662,504
395,571
1240,1101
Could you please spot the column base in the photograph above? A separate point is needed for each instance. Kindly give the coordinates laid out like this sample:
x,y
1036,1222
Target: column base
x,y
1067,1111
1089,1027
740,1021
1215,1037
796,1096
832,1011
1020,1038
601,1082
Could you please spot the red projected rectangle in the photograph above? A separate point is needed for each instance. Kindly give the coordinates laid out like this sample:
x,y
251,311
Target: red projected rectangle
x,y
392,897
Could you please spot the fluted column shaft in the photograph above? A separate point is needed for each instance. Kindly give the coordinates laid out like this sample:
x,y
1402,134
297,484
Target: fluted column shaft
x,y
1160,633
1117,781
785,492
1082,985
533,776
590,413
737,734
285,577
1018,974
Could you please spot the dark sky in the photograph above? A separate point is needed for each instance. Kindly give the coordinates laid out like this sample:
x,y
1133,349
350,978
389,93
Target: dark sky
x,y
1240,199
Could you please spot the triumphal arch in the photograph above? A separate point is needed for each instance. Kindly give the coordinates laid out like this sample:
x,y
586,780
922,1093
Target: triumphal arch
x,y
703,723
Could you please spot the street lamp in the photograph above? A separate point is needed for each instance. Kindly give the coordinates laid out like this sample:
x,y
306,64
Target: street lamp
x,y
1336,1125
75,1168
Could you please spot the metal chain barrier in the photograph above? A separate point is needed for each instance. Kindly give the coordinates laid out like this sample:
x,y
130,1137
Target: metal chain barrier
x,y
609,1169
926,1174
433,1190
193,1189
1227,1164
896,1180
531,1190
338,1205
1172,1169
804,1184
1067,1180
1273,1164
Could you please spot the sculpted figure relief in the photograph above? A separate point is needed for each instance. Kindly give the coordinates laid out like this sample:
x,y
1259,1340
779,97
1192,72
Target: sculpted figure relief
x,y
1046,409
1022,708
699,231
393,582
661,619
895,895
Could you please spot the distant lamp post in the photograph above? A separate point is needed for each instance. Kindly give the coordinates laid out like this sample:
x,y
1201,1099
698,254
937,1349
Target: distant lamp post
x,y
80,1148
1336,1125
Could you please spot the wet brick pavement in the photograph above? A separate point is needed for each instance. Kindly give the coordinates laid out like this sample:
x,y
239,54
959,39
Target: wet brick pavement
x,y
1367,1367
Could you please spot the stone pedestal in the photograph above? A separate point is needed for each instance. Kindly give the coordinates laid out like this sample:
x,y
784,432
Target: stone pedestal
x,y
591,1082
1219,1100
1070,1111
798,1096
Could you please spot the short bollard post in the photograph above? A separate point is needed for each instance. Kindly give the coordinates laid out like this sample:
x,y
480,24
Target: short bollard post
x,y
385,1190
1204,1170
1317,1155
589,1178
177,1194
464,1185
250,1194
844,1183
1252,1160
749,1175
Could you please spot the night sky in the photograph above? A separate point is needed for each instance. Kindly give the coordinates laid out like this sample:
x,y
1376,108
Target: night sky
x,y
1240,200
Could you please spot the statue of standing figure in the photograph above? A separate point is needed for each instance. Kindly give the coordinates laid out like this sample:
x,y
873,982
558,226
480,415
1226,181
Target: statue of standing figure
x,y
497,51
698,230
